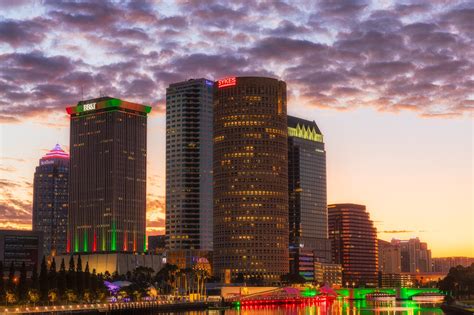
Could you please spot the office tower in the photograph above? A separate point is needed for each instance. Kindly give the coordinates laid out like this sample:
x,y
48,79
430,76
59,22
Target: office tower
x,y
189,165
389,258
308,214
415,255
354,243
107,191
250,179
50,200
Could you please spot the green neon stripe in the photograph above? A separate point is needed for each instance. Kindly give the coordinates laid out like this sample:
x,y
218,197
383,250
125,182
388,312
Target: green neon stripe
x,y
144,243
113,245
85,241
76,242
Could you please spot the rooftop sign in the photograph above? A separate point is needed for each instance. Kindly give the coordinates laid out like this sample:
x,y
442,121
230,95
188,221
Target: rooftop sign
x,y
110,103
227,82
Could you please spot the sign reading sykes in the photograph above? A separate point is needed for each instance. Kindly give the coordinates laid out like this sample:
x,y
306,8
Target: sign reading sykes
x,y
90,106
226,82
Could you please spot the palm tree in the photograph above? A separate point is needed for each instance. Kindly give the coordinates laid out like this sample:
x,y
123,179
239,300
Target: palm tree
x,y
11,297
53,295
167,277
33,296
71,296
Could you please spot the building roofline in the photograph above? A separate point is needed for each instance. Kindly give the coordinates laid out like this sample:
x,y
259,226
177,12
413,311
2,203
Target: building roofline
x,y
106,102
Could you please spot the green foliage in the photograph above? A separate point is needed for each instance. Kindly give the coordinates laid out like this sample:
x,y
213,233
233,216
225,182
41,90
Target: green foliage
x,y
33,296
22,285
166,278
11,297
34,278
11,277
459,282
71,275
62,278
52,275
43,280
53,296
71,296
292,278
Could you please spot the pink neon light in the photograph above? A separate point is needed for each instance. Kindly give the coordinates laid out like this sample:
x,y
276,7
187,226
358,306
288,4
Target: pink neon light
x,y
56,153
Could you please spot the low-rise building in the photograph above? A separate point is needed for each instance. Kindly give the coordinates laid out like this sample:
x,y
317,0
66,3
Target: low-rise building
x,y
326,273
396,280
18,247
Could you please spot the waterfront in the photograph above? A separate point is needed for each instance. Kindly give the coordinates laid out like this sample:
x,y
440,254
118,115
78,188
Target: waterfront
x,y
335,308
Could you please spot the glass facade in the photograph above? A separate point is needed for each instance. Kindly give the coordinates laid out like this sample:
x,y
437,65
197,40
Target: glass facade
x,y
308,218
107,176
50,200
189,165
354,244
250,179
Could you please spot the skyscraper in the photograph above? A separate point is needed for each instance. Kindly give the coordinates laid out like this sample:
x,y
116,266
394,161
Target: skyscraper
x,y
50,200
250,179
107,209
415,255
389,257
308,214
354,244
189,165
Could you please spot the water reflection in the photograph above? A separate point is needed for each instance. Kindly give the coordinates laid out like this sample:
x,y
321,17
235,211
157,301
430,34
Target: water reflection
x,y
339,307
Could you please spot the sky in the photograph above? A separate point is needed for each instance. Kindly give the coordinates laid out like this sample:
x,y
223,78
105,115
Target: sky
x,y
390,84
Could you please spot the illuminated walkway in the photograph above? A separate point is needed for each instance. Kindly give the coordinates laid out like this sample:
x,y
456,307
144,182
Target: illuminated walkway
x,y
107,307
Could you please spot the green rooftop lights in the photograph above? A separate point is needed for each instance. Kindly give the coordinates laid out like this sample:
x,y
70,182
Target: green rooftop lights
x,y
305,132
110,103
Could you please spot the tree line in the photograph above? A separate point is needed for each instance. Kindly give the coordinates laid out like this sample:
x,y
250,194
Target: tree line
x,y
459,283
74,283
51,285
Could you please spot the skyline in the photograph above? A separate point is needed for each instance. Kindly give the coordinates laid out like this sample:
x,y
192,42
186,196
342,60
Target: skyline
x,y
408,159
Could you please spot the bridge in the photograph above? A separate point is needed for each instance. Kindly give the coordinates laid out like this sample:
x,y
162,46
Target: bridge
x,y
401,293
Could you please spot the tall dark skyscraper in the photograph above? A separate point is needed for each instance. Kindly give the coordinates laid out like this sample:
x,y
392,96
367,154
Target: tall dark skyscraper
x,y
107,201
250,179
308,216
50,200
189,165
354,244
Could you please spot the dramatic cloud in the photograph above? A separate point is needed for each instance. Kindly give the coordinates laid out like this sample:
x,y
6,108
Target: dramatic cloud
x,y
14,212
333,54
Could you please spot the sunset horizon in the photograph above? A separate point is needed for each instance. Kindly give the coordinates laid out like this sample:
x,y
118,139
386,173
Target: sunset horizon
x,y
389,85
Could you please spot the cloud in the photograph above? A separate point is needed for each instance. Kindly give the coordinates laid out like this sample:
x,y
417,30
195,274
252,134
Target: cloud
x,y
18,33
14,212
340,55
